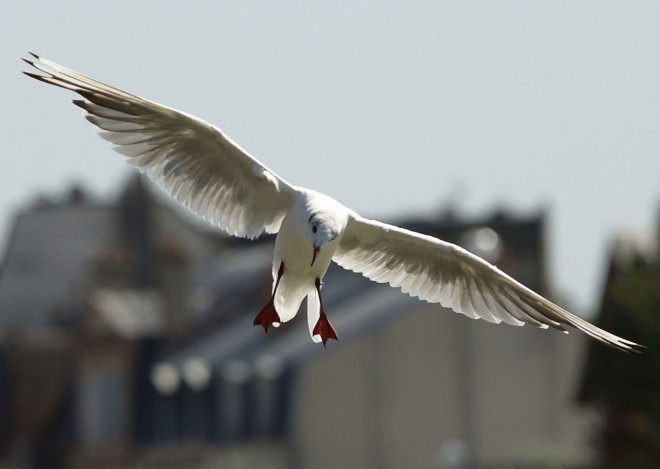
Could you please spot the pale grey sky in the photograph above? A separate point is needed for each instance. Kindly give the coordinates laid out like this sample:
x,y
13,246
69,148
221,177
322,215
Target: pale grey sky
x,y
391,107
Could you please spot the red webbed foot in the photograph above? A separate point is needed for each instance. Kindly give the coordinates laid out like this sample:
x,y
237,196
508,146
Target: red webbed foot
x,y
324,329
267,317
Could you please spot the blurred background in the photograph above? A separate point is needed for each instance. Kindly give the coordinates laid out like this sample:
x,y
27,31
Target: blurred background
x,y
527,133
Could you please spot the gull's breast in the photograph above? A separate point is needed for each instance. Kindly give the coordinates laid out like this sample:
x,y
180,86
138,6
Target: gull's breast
x,y
292,247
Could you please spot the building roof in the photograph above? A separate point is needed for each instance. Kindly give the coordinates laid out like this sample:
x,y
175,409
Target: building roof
x,y
353,304
48,258
54,247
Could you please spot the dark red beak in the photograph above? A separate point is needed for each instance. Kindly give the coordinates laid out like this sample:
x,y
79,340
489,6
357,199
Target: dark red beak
x,y
316,253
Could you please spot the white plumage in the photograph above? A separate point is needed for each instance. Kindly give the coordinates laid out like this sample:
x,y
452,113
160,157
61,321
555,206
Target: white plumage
x,y
219,181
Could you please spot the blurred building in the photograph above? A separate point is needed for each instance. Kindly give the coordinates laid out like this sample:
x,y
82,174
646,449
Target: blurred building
x,y
127,341
87,290
626,388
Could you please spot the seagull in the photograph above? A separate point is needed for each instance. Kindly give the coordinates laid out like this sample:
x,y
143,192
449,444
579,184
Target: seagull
x,y
202,168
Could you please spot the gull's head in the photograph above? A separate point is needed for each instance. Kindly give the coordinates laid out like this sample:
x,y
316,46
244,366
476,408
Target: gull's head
x,y
322,230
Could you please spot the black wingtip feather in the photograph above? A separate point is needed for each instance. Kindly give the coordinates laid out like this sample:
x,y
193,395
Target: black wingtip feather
x,y
35,76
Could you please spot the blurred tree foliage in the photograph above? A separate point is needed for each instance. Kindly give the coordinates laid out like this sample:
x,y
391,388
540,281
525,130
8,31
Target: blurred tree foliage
x,y
627,386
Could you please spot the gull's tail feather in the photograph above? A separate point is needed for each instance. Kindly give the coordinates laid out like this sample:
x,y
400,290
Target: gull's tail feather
x,y
290,293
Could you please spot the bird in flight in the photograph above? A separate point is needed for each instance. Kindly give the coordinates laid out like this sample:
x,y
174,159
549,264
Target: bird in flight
x,y
201,167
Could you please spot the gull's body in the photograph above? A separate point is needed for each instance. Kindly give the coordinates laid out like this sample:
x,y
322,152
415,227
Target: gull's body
x,y
294,250
207,172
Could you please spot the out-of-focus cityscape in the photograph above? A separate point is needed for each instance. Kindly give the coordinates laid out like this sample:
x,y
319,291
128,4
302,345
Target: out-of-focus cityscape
x,y
127,341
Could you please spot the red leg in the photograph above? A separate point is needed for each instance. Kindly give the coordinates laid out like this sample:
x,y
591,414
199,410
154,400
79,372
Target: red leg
x,y
268,315
323,326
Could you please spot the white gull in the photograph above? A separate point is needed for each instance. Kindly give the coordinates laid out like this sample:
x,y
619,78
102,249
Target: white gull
x,y
202,168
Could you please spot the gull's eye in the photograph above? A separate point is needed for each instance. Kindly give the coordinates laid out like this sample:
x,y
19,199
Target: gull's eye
x,y
314,228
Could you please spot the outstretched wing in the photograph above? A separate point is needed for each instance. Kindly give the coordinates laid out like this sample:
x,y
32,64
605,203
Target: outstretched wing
x,y
441,272
188,157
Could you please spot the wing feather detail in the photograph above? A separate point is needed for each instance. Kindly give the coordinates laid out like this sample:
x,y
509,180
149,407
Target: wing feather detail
x,y
441,272
189,158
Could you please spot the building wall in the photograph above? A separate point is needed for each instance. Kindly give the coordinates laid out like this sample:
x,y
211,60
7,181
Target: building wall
x,y
435,387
